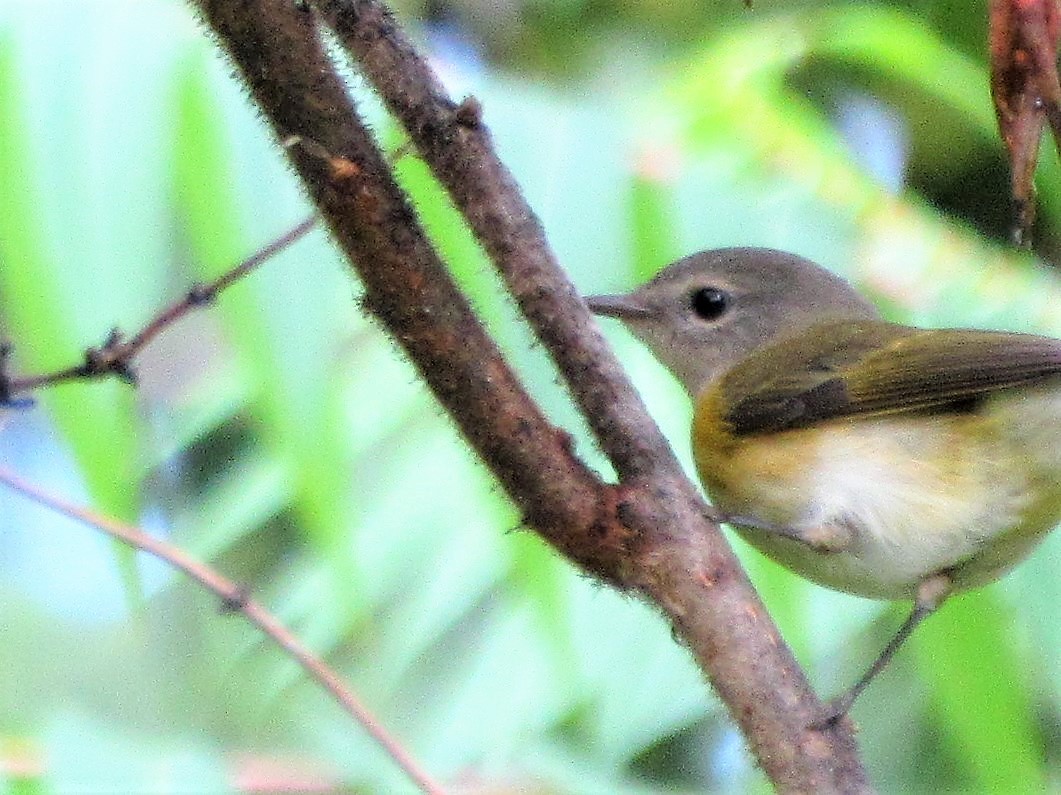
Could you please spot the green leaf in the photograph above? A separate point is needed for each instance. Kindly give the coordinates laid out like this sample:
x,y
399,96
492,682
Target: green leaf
x,y
44,305
283,321
977,679
655,241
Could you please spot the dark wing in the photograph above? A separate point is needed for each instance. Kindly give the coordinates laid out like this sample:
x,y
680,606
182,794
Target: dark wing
x,y
847,368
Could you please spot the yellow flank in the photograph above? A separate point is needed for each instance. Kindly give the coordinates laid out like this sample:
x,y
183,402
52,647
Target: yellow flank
x,y
970,493
735,471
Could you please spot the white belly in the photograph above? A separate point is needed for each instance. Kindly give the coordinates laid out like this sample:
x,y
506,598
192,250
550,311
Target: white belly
x,y
919,496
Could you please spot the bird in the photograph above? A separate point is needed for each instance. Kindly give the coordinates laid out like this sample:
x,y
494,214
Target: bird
x,y
874,458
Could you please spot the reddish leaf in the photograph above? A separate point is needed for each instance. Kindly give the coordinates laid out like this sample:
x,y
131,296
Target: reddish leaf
x,y
1024,85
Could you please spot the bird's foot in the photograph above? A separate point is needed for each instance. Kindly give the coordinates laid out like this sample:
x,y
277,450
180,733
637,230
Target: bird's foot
x,y
827,538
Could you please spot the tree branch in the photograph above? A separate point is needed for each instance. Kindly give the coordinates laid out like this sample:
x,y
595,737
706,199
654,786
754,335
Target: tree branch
x,y
649,532
234,599
407,287
115,356
457,146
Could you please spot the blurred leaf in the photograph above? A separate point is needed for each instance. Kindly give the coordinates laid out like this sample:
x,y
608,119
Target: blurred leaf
x,y
249,493
977,680
98,422
446,228
86,756
297,407
651,217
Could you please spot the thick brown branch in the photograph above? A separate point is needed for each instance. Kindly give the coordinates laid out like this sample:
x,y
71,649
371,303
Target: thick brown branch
x,y
407,287
457,146
670,552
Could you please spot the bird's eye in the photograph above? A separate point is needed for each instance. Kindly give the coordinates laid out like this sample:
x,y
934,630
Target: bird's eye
x,y
710,303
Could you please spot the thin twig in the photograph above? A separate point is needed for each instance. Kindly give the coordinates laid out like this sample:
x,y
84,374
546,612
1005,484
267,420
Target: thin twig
x,y
234,598
115,356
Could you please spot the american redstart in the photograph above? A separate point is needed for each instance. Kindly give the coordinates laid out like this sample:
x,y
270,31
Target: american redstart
x,y
879,459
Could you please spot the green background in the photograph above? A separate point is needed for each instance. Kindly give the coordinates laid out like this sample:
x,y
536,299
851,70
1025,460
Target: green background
x,y
279,435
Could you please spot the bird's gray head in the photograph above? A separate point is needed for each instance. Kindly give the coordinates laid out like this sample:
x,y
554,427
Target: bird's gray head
x,y
704,313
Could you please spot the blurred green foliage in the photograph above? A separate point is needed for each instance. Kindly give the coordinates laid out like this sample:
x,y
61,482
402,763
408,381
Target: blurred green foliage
x,y
281,437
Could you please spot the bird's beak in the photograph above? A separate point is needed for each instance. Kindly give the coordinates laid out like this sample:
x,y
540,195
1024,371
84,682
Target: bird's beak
x,y
623,307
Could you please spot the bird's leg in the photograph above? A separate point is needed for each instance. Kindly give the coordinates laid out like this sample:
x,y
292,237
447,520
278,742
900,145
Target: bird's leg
x,y
825,537
931,593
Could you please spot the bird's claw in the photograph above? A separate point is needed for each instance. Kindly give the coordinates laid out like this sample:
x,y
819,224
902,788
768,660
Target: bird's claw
x,y
832,712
